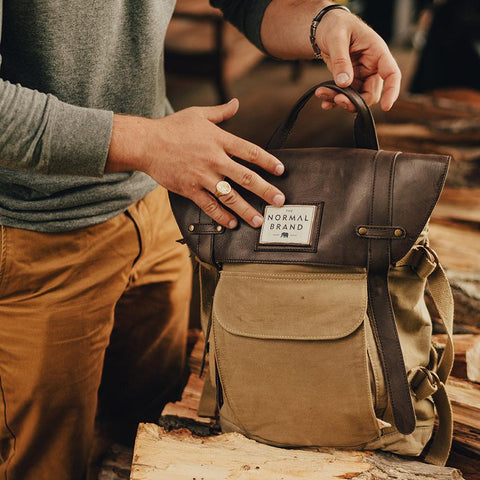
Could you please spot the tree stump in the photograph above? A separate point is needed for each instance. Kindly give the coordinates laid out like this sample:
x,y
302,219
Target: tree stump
x,y
180,455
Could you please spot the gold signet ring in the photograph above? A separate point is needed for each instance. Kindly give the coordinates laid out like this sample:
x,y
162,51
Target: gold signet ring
x,y
222,188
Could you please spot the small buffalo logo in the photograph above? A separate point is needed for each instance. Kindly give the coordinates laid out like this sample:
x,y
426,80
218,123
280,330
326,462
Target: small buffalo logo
x,y
284,235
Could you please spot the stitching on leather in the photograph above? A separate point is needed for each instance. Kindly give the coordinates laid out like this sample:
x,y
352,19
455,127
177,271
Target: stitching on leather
x,y
419,226
403,373
386,303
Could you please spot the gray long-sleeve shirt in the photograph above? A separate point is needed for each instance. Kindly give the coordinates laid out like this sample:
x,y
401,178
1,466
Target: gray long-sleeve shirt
x,y
66,67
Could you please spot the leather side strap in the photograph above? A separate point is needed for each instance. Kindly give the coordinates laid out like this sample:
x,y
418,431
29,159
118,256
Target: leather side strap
x,y
205,242
380,305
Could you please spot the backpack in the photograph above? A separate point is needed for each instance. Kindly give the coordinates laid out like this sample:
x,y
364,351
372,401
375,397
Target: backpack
x,y
316,325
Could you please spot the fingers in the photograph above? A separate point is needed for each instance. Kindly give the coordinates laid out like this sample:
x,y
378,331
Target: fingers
x,y
235,202
331,99
213,209
252,153
337,57
392,77
251,181
219,113
373,68
214,161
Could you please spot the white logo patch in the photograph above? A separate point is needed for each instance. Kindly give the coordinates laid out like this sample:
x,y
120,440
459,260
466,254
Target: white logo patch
x,y
289,225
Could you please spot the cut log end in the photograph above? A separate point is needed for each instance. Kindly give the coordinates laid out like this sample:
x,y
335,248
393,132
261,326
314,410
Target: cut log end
x,y
180,455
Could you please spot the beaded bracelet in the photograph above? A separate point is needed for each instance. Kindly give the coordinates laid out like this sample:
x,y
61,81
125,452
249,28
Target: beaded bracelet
x,y
314,25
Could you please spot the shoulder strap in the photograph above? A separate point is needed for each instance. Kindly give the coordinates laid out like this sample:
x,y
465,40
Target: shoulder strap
x,y
426,382
443,300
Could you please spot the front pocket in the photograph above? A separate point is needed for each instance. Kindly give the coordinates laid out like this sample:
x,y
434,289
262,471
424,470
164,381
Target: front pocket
x,y
290,345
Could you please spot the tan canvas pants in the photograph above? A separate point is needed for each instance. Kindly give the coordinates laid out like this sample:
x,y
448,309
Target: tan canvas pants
x,y
60,297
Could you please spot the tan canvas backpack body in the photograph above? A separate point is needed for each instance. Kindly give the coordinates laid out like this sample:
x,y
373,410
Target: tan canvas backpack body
x,y
316,324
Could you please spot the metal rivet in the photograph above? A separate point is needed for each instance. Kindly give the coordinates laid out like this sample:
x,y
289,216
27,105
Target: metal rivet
x,y
398,232
219,228
191,228
362,231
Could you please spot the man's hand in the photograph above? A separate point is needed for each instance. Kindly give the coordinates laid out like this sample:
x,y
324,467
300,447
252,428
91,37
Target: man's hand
x,y
356,56
189,154
353,52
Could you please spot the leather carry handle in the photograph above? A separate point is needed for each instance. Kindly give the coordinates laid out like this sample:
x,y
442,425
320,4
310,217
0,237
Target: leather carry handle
x,y
364,127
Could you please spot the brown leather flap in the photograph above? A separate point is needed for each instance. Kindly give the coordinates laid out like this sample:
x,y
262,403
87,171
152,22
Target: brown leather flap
x,y
339,182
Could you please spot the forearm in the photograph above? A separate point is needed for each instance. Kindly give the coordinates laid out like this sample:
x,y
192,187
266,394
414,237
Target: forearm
x,y
126,151
285,30
41,134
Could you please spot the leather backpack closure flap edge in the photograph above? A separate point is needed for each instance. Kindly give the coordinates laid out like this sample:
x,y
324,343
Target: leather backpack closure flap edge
x,y
337,184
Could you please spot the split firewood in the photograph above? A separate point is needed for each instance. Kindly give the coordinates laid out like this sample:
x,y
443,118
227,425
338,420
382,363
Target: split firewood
x,y
473,363
448,132
460,153
457,244
179,455
428,108
462,344
465,399
461,96
460,205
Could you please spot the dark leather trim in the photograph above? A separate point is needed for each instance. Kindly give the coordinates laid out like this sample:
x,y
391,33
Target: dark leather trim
x,y
205,242
380,231
341,178
206,229
379,301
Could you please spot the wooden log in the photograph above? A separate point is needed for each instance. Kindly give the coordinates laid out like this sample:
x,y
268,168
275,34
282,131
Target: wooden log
x,y
427,108
466,294
466,461
460,153
472,357
462,344
461,96
179,455
188,405
465,399
466,439
460,205
457,244
446,132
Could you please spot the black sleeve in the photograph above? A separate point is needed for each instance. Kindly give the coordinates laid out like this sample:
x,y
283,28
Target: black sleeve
x,y
246,15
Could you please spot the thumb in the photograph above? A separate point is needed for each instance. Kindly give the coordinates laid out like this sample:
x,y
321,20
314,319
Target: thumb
x,y
220,113
339,59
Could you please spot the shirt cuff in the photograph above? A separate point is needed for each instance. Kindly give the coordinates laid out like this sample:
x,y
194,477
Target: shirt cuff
x,y
77,139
